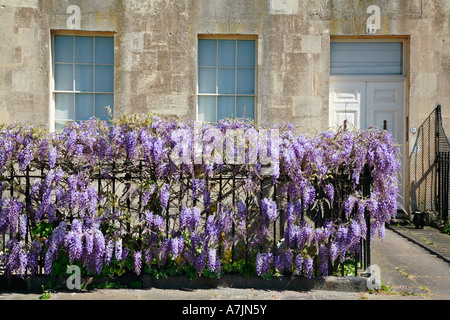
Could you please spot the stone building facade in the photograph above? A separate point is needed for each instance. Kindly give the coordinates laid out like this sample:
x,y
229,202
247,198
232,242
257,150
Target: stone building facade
x,y
315,62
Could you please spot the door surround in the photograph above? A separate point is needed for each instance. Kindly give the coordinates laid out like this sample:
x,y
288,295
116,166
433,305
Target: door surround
x,y
405,76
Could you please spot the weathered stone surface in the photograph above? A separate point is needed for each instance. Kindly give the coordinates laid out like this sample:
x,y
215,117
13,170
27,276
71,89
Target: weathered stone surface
x,y
156,52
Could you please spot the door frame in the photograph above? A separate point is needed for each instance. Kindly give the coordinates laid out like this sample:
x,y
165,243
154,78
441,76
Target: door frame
x,y
405,76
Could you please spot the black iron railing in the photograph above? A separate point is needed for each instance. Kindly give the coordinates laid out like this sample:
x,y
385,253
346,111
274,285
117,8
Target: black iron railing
x,y
226,188
429,169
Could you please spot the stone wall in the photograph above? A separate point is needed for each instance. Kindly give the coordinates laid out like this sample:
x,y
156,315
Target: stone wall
x,y
156,52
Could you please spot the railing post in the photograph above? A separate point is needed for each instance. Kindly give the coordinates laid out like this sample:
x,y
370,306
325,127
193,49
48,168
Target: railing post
x,y
366,193
233,224
444,174
27,202
275,222
127,178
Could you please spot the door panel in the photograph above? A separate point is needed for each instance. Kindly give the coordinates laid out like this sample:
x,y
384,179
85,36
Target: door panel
x,y
385,102
347,103
385,107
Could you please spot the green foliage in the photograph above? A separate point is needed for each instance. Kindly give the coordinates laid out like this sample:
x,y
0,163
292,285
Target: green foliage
x,y
45,295
447,228
46,290
239,267
108,285
43,230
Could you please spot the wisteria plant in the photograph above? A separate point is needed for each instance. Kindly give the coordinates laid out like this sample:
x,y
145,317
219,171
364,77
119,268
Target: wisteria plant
x,y
142,194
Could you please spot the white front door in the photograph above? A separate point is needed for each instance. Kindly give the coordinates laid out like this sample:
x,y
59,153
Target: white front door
x,y
371,103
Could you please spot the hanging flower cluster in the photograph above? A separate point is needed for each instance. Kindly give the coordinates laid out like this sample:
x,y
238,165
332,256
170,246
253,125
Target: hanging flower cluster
x,y
146,190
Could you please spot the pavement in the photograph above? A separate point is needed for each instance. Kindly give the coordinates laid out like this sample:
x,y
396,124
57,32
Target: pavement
x,y
414,264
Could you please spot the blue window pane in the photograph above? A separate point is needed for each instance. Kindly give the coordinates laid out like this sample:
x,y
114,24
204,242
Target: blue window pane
x,y
246,53
225,107
64,77
207,80
246,81
64,106
101,102
245,107
207,52
84,77
104,50
226,80
227,53
84,49
104,78
207,109
63,49
84,106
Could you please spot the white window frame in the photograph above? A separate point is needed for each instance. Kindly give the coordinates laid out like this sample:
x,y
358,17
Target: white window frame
x,y
255,94
52,90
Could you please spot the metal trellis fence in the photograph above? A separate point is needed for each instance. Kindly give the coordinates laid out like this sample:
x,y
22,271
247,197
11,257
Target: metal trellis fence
x,y
227,188
429,169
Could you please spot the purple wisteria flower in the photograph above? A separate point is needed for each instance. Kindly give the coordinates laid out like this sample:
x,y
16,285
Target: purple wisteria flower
x,y
55,242
283,261
52,154
137,258
22,226
99,251
198,185
147,194
269,208
263,263
323,255
200,262
125,252
349,204
34,256
164,195
333,251
118,249
148,255
211,229
109,250
190,218
242,215
341,241
299,264
16,261
77,176
74,241
164,251
213,261
308,267
176,247
330,192
206,198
